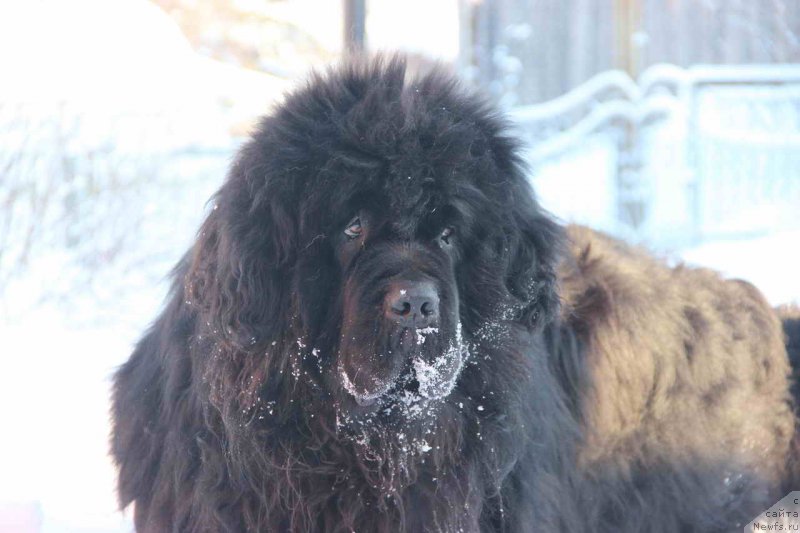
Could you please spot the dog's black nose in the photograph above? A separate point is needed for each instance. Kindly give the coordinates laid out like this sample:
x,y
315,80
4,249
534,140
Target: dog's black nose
x,y
413,304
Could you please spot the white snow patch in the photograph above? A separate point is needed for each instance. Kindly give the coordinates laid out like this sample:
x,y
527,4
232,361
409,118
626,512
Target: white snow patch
x,y
422,332
437,379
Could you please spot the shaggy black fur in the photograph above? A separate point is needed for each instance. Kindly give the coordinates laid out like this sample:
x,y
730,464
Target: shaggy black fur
x,y
566,383
791,326
790,316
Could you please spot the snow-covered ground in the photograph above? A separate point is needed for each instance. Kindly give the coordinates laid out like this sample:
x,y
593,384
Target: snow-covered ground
x,y
769,262
54,398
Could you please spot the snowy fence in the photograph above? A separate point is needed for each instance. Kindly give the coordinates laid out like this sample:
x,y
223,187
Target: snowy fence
x,y
680,156
743,144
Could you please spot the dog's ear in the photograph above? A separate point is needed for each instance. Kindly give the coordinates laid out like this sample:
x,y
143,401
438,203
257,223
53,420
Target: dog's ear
x,y
240,271
521,243
532,248
510,262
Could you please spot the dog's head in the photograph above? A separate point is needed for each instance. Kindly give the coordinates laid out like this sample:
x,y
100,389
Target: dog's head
x,y
370,232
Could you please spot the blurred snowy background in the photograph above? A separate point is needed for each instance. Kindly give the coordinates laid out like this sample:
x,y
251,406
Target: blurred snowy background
x,y
671,123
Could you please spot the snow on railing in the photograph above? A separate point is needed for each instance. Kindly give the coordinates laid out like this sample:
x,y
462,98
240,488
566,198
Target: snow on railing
x,y
662,171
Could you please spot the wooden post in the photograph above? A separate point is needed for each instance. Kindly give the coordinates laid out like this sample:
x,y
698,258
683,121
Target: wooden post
x,y
627,23
355,15
631,204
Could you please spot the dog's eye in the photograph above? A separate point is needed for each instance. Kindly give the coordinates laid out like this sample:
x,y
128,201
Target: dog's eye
x,y
354,229
447,235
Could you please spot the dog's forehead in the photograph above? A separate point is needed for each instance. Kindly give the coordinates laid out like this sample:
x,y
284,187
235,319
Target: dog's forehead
x,y
412,195
407,211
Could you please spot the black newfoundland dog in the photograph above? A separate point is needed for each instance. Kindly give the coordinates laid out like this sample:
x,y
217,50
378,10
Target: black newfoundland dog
x,y
378,330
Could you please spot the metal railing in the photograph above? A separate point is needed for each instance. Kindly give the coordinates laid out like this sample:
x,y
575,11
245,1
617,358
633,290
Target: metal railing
x,y
679,156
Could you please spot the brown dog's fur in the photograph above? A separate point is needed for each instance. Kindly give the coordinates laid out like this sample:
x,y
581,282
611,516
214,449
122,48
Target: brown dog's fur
x,y
680,367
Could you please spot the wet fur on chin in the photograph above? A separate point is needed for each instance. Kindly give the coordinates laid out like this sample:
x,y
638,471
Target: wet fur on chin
x,y
603,391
